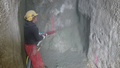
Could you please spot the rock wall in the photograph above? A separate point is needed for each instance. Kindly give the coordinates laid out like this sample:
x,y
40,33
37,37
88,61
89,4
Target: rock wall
x,y
104,50
10,41
21,12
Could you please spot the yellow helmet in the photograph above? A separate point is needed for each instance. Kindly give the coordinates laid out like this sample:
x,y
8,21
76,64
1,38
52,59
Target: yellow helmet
x,y
30,15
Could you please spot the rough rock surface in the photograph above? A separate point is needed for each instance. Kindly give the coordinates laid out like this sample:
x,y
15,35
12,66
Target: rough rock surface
x,y
104,49
10,43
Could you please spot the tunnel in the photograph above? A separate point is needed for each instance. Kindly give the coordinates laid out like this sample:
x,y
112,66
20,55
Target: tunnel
x,y
68,47
87,33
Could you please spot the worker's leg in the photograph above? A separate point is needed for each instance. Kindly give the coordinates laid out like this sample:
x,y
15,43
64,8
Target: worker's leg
x,y
39,63
34,57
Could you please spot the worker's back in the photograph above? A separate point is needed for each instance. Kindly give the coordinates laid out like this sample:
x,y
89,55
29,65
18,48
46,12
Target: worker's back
x,y
31,33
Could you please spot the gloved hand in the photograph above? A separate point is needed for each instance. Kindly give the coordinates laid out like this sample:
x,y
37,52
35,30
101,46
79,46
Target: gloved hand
x,y
41,33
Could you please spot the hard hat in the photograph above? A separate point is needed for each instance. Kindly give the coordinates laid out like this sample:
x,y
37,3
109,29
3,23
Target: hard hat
x,y
30,15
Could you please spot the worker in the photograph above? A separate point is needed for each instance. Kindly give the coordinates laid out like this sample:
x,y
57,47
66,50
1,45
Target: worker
x,y
31,38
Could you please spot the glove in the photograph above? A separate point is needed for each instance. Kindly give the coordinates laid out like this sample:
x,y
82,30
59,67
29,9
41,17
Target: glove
x,y
41,33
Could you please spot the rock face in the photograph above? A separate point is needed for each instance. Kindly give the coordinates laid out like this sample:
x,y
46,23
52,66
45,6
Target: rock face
x,y
10,42
104,49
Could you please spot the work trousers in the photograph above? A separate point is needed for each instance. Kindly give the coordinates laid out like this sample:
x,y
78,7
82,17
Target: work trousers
x,y
34,56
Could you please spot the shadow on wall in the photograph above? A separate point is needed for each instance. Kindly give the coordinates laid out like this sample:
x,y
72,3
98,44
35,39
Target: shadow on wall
x,y
21,13
84,31
84,28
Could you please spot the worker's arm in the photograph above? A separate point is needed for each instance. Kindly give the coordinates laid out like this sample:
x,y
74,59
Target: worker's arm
x,y
36,34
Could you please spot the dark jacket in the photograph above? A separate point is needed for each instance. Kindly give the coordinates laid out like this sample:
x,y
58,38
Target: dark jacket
x,y
31,33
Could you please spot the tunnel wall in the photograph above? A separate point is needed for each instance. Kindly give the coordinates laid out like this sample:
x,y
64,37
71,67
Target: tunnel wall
x,y
104,49
10,43
21,12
